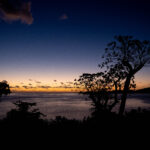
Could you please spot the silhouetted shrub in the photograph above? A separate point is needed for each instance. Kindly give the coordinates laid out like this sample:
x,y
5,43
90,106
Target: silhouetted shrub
x,y
24,116
4,88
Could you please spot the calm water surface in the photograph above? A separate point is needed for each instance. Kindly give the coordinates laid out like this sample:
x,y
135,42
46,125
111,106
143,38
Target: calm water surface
x,y
70,105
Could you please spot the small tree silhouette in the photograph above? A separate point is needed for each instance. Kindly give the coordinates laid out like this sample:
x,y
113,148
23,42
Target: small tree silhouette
x,y
129,55
24,112
4,88
98,88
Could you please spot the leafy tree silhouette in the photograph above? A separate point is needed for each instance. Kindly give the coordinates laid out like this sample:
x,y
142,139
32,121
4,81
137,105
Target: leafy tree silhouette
x,y
126,56
98,88
4,88
24,113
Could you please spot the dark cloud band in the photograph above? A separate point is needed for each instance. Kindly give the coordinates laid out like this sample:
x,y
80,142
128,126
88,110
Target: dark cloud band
x,y
13,10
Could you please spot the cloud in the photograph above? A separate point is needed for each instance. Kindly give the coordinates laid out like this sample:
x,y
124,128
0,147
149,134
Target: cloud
x,y
55,80
14,87
26,87
13,10
70,83
30,80
63,17
44,87
67,87
17,86
38,82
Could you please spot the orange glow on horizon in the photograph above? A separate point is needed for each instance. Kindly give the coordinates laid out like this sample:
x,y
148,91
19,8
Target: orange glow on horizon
x,y
59,83
57,89
46,90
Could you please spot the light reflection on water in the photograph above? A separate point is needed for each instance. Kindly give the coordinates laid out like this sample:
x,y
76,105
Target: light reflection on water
x,y
70,105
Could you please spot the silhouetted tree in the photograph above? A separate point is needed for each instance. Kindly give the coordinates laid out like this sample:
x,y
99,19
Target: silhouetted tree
x,y
124,57
98,88
116,76
129,55
24,112
4,88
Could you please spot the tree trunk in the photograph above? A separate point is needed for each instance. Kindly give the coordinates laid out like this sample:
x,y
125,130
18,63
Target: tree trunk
x,y
124,95
116,97
116,92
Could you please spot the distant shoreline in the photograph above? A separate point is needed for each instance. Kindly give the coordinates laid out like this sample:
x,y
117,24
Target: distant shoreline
x,y
144,90
42,92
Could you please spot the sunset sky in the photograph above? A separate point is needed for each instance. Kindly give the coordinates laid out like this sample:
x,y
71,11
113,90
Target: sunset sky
x,y
46,44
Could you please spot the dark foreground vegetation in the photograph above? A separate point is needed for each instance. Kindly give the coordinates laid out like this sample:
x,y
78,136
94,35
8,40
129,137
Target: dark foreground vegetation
x,y
25,119
26,126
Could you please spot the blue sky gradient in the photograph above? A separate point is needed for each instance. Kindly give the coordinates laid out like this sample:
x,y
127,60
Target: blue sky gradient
x,y
68,37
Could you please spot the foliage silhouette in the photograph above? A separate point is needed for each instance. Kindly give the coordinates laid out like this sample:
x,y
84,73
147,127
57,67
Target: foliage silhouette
x,y
4,88
98,88
22,123
123,58
23,118
129,55
24,115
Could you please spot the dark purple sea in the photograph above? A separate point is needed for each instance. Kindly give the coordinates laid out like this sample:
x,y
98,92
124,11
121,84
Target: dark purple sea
x,y
70,105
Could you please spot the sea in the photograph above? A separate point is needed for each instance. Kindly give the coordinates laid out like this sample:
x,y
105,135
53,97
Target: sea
x,y
69,105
